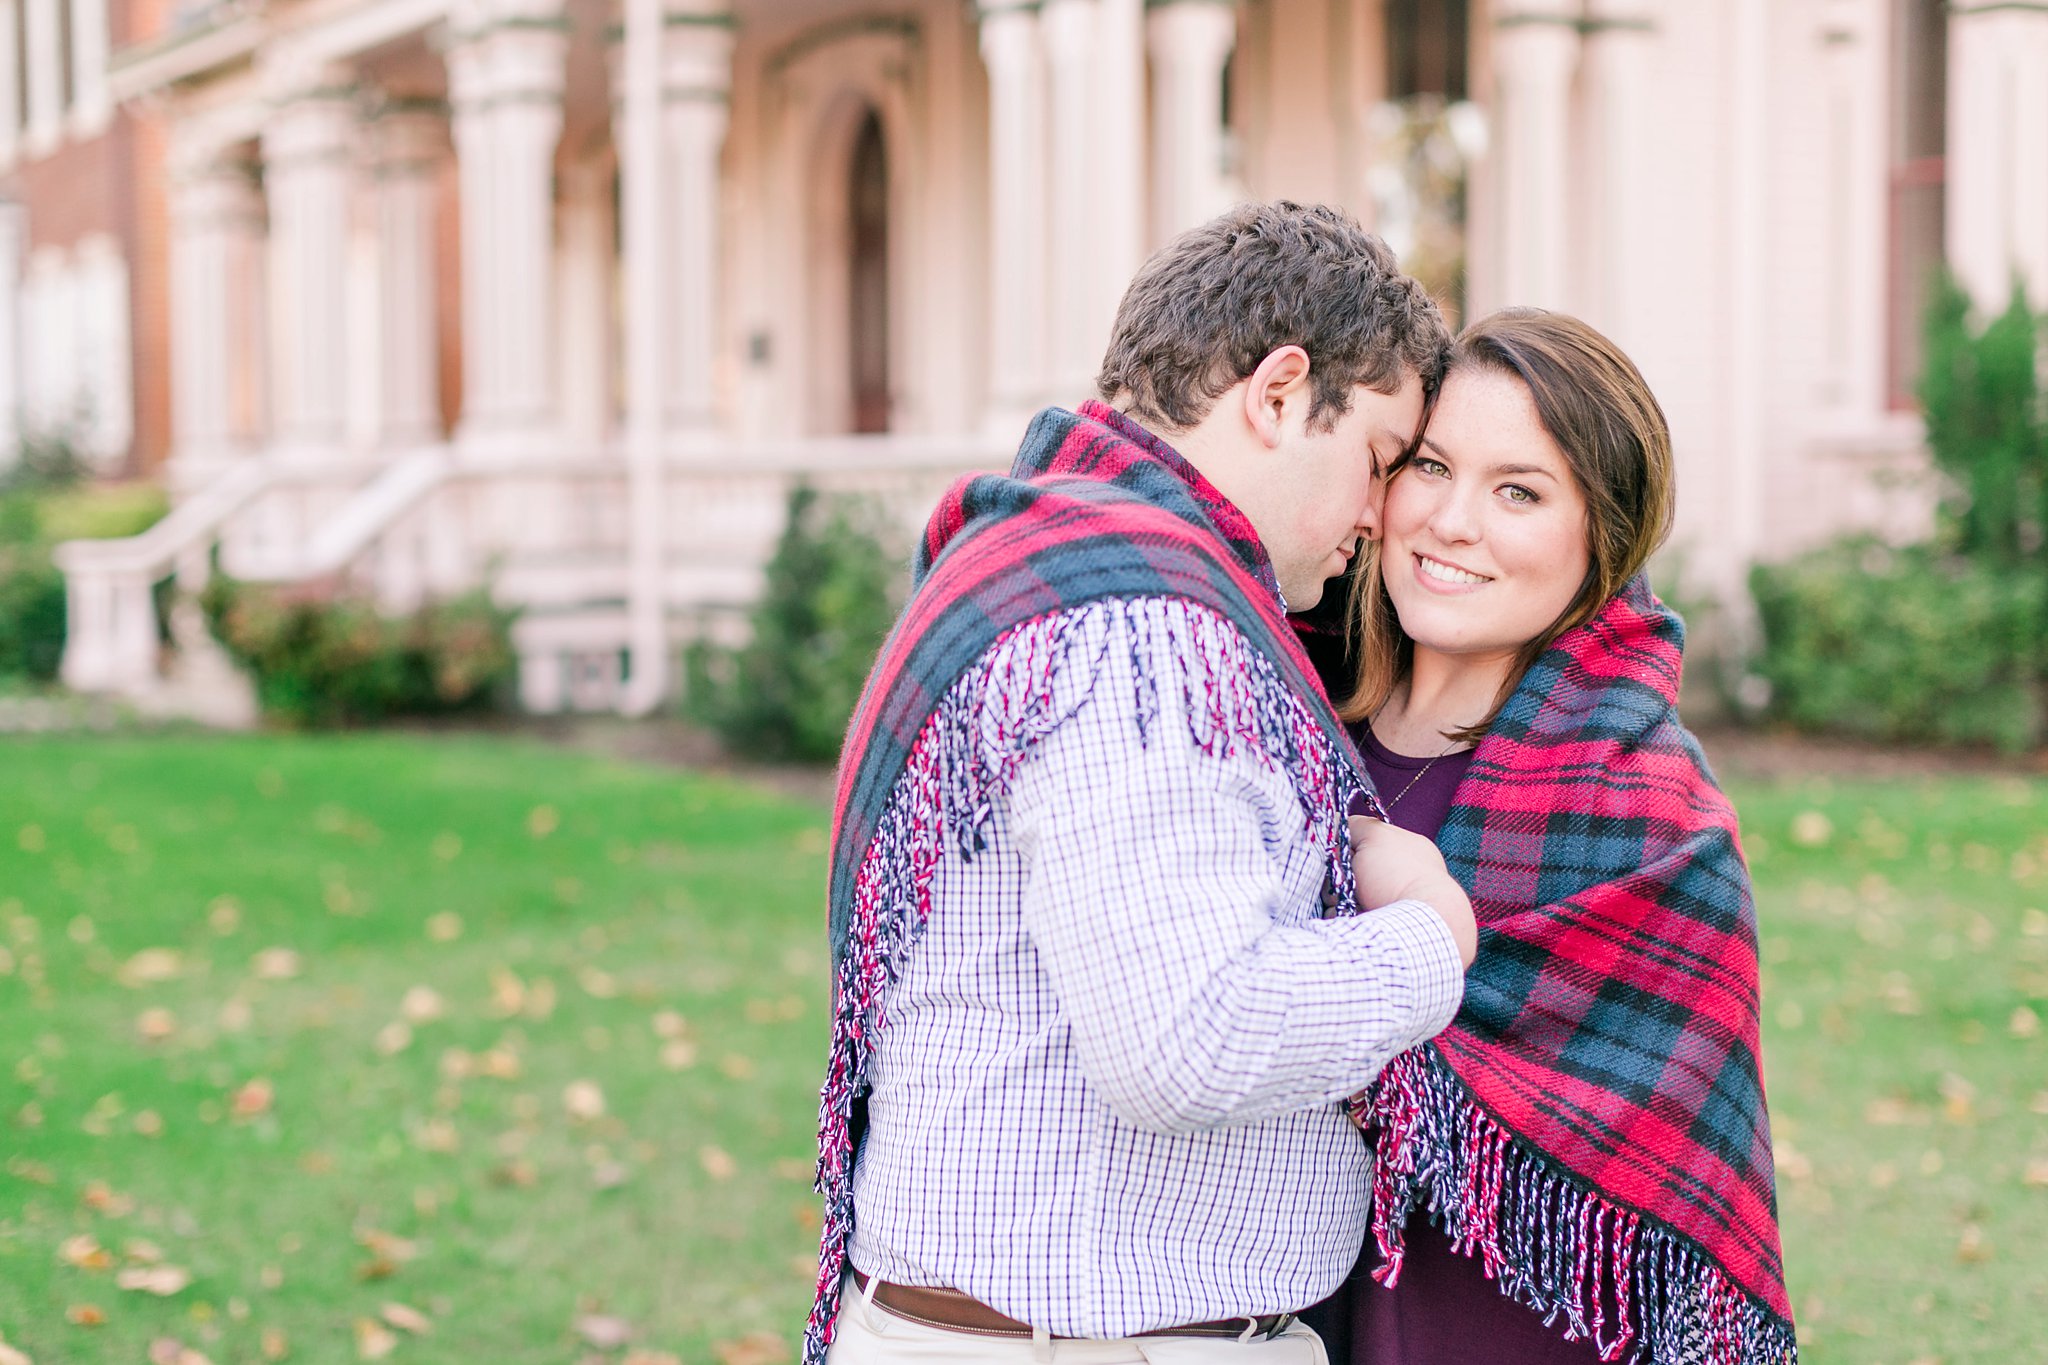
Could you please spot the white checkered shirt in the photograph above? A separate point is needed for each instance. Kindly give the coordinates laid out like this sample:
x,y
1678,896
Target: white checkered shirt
x,y
1107,1088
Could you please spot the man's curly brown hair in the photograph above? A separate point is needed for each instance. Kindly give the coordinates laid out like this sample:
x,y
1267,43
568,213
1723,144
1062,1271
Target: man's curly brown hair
x,y
1218,299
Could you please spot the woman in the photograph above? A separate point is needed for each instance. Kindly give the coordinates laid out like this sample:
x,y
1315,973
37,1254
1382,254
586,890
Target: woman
x,y
1581,1164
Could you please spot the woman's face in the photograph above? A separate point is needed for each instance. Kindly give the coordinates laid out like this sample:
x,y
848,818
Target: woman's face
x,y
1485,531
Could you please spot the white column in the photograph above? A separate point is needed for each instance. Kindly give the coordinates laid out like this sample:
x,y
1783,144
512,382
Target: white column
x,y
13,245
1616,250
307,149
469,94
1747,204
648,272
1857,138
1535,55
1069,31
527,119
1997,211
1017,213
1120,159
1191,42
10,82
42,33
409,147
215,212
587,350
696,78
91,107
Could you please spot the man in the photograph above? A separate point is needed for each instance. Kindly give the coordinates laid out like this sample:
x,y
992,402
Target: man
x,y
1100,993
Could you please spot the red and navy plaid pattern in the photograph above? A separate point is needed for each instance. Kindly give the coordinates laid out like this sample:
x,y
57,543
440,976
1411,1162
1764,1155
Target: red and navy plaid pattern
x,y
1094,508
1593,1123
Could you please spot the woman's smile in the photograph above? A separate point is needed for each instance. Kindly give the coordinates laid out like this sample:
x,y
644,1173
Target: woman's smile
x,y
1440,575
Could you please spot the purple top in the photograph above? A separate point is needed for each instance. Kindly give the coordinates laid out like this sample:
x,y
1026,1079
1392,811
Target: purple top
x,y
1444,1311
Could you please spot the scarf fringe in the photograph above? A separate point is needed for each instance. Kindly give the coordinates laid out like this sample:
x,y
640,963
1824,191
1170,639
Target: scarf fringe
x,y
1546,1241
1235,702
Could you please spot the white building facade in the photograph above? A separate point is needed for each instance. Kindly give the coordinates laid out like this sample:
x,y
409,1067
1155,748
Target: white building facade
x,y
558,296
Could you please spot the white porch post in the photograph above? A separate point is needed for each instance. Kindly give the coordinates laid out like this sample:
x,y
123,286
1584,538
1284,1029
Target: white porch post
x,y
1535,54
409,147
696,78
649,272
1852,32
469,93
1621,234
1017,212
530,52
13,245
10,81
307,150
43,43
1191,41
1997,212
91,107
216,213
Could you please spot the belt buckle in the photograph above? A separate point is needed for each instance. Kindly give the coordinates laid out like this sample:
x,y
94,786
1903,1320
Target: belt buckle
x,y
1253,1332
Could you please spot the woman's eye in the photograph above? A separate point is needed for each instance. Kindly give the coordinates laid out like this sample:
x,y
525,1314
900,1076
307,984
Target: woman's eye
x,y
1515,493
1434,468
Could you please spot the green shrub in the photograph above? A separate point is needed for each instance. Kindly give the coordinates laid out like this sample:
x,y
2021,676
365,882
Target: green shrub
x,y
827,604
322,658
1904,645
1986,428
32,614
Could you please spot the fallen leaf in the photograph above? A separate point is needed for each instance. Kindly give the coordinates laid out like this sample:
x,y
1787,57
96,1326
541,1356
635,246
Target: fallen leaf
x,y
1890,1111
669,1024
164,1351
252,1100
85,1315
235,1015
607,1175
650,1358
678,1054
374,1340
737,1067
1812,829
224,915
86,1254
795,1168
276,1346
155,1025
275,964
500,1064
718,1163
605,1332
10,1356
151,965
406,1319
755,1348
2036,1174
518,1173
161,1280
1959,1098
542,821
422,1005
1973,1249
149,1123
445,927
2024,1023
101,1198
437,1135
583,1100
141,1252
394,1038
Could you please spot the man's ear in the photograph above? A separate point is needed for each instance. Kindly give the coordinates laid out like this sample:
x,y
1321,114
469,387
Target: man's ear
x,y
1280,379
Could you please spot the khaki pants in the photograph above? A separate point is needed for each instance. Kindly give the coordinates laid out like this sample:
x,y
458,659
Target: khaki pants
x,y
871,1335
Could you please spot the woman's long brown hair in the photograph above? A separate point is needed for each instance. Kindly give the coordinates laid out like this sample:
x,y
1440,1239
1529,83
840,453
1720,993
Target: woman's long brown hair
x,y
1595,405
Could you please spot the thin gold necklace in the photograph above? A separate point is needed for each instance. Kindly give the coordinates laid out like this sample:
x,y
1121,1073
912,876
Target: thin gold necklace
x,y
1418,773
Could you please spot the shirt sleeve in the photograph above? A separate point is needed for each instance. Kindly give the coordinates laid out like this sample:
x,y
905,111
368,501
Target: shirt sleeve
x,y
1157,900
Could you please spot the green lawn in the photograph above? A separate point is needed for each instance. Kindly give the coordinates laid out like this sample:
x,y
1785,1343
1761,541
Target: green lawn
x,y
525,1043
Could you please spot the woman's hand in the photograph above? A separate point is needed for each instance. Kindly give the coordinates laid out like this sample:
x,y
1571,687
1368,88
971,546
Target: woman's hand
x,y
1392,864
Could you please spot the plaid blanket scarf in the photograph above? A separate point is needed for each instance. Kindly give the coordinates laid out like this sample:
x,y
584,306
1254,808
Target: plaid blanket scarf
x,y
1094,508
1592,1126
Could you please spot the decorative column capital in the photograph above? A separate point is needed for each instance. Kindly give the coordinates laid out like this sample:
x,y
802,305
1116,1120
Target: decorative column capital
x,y
409,136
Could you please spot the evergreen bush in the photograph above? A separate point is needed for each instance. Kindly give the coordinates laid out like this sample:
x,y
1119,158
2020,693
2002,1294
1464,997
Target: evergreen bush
x,y
1986,428
323,658
827,604
1906,645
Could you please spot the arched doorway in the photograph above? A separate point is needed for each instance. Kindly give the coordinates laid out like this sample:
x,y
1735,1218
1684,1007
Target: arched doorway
x,y
868,278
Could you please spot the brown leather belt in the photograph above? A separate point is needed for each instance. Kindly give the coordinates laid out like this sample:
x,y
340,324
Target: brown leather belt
x,y
957,1312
